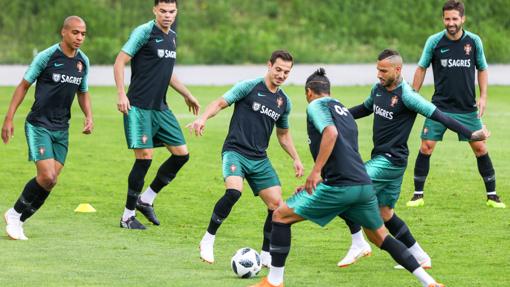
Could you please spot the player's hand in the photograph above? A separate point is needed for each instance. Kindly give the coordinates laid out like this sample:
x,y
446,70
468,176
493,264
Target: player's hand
x,y
7,131
299,189
298,168
481,104
193,105
481,135
197,127
311,182
88,126
123,104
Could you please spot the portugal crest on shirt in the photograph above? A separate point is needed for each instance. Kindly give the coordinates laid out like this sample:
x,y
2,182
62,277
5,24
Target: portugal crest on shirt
x,y
467,49
56,77
255,106
79,66
444,62
394,101
279,102
161,53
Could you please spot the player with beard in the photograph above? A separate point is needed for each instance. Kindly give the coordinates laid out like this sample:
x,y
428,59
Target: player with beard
x,y
455,54
395,106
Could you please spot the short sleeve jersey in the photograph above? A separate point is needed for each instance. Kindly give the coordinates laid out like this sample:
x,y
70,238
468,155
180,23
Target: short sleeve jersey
x,y
453,64
153,55
59,78
394,116
344,165
257,110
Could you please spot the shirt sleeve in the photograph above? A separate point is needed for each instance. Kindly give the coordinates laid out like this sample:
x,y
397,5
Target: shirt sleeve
x,y
39,64
240,90
415,102
481,62
428,50
137,39
319,115
283,121
84,86
369,101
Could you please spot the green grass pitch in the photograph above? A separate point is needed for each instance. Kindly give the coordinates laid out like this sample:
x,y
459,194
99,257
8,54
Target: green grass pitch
x,y
468,242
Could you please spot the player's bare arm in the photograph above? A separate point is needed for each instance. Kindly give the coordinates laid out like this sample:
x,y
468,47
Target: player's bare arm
x,y
198,126
285,140
17,99
118,72
86,108
419,77
191,101
483,82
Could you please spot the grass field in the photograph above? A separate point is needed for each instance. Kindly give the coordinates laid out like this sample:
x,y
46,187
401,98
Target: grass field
x,y
469,243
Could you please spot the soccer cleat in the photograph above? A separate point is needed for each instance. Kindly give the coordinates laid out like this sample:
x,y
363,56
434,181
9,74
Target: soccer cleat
x,y
436,285
207,251
132,223
416,201
265,283
265,258
147,210
14,227
355,253
494,201
425,263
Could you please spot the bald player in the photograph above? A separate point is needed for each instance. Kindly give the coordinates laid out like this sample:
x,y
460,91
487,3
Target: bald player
x,y
61,72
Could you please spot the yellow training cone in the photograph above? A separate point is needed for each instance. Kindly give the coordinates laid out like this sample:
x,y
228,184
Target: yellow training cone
x,y
85,207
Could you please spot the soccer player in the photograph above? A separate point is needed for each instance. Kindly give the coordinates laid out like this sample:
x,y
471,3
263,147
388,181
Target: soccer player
x,y
455,54
395,106
260,104
338,183
61,72
148,122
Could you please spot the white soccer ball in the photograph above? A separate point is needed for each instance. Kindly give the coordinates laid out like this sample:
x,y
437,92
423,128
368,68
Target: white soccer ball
x,y
246,263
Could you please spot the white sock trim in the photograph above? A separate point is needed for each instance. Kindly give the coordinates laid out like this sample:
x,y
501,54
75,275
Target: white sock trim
x,y
148,196
418,192
208,237
275,276
128,213
424,277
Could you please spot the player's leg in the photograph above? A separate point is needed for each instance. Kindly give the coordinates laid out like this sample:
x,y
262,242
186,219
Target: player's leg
x,y
166,173
222,208
170,134
264,182
283,218
400,254
138,132
143,160
486,170
40,150
432,132
359,246
421,171
272,197
399,229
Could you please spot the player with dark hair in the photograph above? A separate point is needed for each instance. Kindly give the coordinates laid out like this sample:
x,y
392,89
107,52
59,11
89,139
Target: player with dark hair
x,y
260,104
337,184
61,71
148,122
455,54
395,106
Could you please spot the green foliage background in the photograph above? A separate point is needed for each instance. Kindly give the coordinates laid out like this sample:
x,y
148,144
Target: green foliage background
x,y
245,31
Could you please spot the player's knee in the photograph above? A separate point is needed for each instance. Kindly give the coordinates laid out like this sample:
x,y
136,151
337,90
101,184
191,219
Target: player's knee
x,y
47,180
426,148
386,214
480,150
